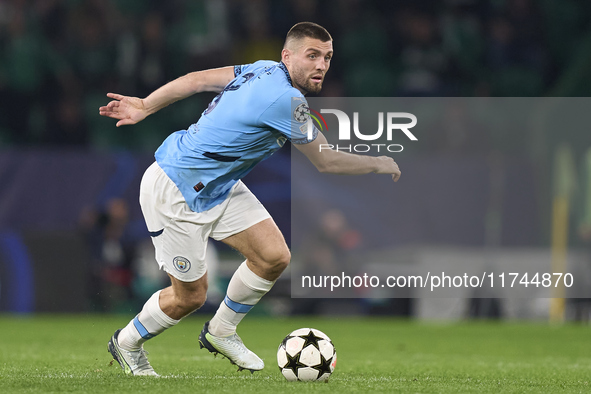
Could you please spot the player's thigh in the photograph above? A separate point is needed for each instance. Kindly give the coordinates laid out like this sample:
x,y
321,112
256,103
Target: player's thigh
x,y
241,211
263,245
247,227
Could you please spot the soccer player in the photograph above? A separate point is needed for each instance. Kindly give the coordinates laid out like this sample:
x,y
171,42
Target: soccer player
x,y
193,190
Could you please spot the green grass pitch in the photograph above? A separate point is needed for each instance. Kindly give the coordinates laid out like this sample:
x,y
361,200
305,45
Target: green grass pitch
x,y
45,354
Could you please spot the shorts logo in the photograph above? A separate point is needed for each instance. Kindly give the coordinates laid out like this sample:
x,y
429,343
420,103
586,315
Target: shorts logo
x,y
181,264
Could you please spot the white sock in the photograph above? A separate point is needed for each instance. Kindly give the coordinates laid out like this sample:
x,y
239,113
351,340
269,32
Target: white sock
x,y
245,289
150,322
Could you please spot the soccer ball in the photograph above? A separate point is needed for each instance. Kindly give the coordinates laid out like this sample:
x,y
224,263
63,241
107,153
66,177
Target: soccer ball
x,y
306,354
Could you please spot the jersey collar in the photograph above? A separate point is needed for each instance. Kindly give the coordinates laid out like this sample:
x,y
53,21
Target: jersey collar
x,y
284,68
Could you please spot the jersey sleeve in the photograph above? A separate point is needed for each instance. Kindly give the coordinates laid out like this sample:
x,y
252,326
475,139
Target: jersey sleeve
x,y
289,115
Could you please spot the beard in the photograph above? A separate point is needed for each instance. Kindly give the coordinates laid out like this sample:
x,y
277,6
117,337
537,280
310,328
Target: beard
x,y
304,82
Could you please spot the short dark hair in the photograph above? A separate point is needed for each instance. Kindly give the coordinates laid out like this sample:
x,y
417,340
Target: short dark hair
x,y
308,29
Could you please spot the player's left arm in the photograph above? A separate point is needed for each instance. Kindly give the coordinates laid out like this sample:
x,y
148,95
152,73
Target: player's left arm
x,y
130,110
331,161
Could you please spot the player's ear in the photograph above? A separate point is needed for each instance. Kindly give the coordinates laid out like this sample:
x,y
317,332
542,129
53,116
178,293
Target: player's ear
x,y
286,56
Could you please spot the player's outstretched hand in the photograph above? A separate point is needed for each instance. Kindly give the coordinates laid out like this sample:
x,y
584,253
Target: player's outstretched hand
x,y
128,110
387,165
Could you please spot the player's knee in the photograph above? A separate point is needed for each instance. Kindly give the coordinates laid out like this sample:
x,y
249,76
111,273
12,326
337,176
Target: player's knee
x,y
279,259
285,258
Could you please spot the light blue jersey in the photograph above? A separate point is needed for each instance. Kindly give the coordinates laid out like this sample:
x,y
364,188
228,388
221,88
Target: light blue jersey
x,y
243,125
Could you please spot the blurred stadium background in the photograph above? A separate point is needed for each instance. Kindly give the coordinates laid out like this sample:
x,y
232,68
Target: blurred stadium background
x,y
72,238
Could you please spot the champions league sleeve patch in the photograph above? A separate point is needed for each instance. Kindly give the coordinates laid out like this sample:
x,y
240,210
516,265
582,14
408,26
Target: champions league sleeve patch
x,y
301,113
303,130
181,264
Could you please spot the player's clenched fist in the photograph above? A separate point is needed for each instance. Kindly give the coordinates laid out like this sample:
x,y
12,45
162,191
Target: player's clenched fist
x,y
387,165
128,110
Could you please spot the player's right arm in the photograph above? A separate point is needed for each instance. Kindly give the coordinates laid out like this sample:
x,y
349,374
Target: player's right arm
x,y
280,116
334,162
131,110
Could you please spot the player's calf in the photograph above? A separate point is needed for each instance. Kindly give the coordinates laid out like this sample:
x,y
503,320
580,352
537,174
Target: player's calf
x,y
186,304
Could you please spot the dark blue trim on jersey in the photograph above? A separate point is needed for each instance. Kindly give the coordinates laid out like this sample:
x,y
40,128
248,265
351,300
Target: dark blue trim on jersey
x,y
236,306
284,68
141,329
154,234
237,70
218,157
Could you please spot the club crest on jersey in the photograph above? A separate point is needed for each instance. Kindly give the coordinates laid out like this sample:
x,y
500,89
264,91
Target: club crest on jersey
x,y
181,264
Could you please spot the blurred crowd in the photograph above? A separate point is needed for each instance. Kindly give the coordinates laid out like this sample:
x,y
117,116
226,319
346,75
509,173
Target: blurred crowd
x,y
58,58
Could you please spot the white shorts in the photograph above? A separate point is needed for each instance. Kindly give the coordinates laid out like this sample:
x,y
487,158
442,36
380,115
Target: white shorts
x,y
180,235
